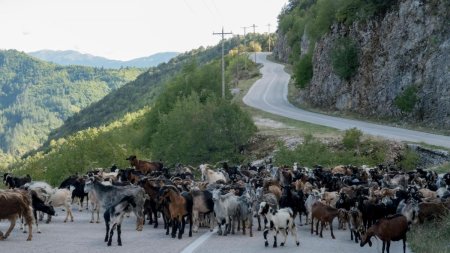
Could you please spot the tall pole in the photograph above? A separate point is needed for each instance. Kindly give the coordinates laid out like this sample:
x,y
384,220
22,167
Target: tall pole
x,y
223,60
245,44
269,35
254,32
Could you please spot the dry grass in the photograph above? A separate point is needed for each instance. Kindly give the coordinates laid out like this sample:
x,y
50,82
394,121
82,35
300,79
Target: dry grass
x,y
431,237
444,168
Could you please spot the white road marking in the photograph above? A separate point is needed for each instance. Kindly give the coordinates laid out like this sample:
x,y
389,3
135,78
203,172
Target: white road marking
x,y
195,244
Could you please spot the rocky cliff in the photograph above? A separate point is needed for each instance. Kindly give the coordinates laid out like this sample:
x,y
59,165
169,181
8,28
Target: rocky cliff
x,y
407,47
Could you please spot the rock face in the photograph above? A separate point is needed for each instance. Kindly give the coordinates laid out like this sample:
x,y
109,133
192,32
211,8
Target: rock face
x,y
430,157
408,46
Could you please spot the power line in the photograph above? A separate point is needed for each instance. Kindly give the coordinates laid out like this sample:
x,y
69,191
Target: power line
x,y
223,60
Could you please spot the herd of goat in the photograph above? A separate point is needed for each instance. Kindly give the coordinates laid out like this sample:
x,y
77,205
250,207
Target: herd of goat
x,y
371,201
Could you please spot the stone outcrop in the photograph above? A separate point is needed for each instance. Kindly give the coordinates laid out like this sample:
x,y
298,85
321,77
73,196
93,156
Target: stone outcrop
x,y
409,46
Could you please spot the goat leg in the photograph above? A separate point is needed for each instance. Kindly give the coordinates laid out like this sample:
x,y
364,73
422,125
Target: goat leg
x,y
294,234
259,222
111,233
266,231
166,226
284,233
107,230
119,231
190,225
322,224
174,227
181,230
11,226
155,213
317,227
275,239
331,229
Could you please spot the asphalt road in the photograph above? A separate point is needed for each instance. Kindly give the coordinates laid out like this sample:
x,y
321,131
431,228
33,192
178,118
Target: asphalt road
x,y
270,94
82,236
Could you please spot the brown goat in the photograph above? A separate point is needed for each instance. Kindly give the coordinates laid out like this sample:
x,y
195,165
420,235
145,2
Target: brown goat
x,y
15,204
341,170
343,218
429,211
180,205
324,214
144,166
276,190
392,228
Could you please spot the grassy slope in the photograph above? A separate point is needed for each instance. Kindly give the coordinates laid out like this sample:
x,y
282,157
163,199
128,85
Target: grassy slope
x,y
431,237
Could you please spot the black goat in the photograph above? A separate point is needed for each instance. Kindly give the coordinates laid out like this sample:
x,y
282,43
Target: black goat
x,y
114,216
39,205
78,183
15,182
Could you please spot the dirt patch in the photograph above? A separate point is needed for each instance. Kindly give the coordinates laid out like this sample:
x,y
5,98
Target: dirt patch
x,y
264,122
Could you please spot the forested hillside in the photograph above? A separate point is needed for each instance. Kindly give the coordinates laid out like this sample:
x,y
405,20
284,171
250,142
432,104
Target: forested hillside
x,y
70,57
36,97
188,123
143,91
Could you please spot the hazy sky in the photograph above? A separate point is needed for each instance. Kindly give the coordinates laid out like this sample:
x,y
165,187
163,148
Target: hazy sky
x,y
125,29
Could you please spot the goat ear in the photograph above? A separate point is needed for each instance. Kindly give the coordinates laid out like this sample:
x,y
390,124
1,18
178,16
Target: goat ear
x,y
370,243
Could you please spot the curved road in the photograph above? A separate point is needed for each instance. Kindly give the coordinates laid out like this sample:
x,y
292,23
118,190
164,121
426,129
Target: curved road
x,y
270,94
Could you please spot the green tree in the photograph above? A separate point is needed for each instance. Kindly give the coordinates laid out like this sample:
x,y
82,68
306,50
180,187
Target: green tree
x,y
406,100
197,131
304,70
344,58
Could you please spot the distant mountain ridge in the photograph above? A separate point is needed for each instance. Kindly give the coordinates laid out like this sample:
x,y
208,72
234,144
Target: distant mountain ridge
x,y
71,57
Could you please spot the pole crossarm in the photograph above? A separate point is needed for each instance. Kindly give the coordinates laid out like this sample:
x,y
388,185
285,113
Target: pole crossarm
x,y
223,60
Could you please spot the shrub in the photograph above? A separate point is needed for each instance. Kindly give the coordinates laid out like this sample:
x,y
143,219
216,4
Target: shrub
x,y
304,71
352,138
344,58
407,99
409,160
312,152
197,131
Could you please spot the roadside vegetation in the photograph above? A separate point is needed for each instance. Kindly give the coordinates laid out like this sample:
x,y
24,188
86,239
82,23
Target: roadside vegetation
x,y
430,236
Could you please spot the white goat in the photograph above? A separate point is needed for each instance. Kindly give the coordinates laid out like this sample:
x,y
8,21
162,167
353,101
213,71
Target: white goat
x,y
226,208
62,197
210,175
282,220
312,198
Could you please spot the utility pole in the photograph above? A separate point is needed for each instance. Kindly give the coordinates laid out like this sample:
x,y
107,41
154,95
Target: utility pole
x,y
223,60
254,32
254,28
245,44
269,35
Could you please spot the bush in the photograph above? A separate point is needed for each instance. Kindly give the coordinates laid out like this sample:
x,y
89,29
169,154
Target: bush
x,y
409,160
344,58
312,152
431,236
304,71
196,131
407,99
352,138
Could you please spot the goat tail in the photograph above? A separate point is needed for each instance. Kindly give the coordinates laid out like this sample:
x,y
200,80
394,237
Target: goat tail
x,y
25,209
